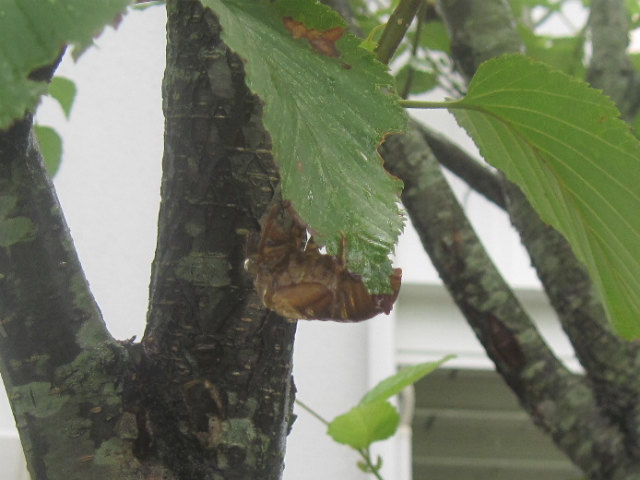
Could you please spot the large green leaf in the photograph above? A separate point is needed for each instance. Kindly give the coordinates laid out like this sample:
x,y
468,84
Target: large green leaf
x,y
31,36
326,115
563,143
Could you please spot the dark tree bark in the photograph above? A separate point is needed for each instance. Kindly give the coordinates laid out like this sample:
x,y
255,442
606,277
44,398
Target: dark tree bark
x,y
220,362
208,392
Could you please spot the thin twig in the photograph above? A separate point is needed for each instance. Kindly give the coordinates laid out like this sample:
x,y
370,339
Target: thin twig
x,y
364,453
396,28
311,411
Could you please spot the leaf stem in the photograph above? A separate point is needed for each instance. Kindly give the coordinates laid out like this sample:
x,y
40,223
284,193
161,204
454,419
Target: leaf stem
x,y
364,452
366,455
414,52
396,28
427,104
311,411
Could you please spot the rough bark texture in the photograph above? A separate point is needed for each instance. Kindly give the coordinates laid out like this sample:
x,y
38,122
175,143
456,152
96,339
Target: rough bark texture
x,y
560,402
208,393
610,68
220,362
479,177
62,371
479,31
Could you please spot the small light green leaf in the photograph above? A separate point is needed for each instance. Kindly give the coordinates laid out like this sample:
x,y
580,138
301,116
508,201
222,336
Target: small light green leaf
x,y
394,384
64,91
32,35
365,424
50,147
15,230
326,116
578,164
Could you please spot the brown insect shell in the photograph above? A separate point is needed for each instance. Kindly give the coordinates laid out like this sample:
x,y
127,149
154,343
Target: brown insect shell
x,y
317,286
297,281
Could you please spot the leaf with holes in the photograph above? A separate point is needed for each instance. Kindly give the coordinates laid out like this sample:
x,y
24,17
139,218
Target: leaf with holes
x,y
327,105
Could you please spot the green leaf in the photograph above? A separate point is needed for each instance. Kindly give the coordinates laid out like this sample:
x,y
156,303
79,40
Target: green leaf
x,y
421,81
365,424
396,383
633,10
435,36
578,164
32,34
326,116
64,91
50,147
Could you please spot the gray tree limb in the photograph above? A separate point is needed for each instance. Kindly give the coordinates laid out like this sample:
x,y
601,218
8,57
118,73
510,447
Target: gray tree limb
x,y
62,370
456,160
608,360
610,68
560,402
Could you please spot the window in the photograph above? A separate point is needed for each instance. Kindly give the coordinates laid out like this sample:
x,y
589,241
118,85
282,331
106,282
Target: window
x,y
467,424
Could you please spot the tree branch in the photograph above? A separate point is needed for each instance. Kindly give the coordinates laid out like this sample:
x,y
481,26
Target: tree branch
x,y
57,358
610,361
557,400
477,176
479,31
607,359
610,68
218,363
561,274
396,27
